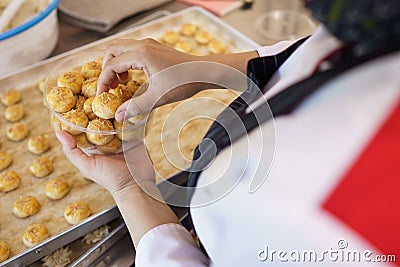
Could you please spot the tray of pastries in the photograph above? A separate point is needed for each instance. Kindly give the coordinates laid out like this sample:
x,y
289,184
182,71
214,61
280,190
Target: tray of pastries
x,y
45,203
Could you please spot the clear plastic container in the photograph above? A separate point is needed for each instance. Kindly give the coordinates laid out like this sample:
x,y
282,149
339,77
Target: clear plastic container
x,y
116,140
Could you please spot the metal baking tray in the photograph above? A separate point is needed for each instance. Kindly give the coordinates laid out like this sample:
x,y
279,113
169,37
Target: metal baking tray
x,y
34,73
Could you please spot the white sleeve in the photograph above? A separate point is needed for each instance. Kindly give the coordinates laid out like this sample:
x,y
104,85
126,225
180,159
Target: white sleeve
x,y
169,245
274,49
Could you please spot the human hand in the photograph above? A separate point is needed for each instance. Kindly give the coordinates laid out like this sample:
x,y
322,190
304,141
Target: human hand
x,y
149,56
113,172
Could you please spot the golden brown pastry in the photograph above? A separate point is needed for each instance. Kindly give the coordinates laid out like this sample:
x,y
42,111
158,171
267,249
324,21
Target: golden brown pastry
x,y
118,127
5,160
134,86
183,46
77,118
99,125
203,37
127,135
123,92
137,73
105,105
216,47
4,251
38,144
61,99
25,206
14,112
87,108
55,123
76,212
40,86
56,188
188,29
9,181
81,141
170,37
80,102
17,131
89,87
72,81
10,97
138,118
41,167
111,147
91,69
34,234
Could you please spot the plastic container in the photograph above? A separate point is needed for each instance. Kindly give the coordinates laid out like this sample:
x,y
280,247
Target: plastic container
x,y
129,133
29,42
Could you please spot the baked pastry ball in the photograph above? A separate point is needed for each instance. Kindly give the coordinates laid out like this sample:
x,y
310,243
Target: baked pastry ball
x,y
10,97
134,85
127,135
56,188
80,101
34,234
72,81
40,86
87,108
5,160
76,117
55,123
203,37
76,212
105,105
118,126
82,141
183,46
25,206
41,167
61,99
89,87
170,37
5,251
123,92
9,181
38,144
188,29
111,147
14,112
17,131
91,69
138,118
99,125
216,47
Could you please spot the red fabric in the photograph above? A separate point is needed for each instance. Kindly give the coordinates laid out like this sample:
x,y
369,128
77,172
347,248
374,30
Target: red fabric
x,y
368,197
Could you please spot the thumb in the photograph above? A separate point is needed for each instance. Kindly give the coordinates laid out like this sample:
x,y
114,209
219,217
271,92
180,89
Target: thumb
x,y
73,153
136,106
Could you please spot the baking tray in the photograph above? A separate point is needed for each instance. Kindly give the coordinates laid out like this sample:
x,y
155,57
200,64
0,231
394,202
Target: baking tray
x,y
31,75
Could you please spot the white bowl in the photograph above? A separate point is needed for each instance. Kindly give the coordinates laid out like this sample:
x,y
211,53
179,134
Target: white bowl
x,y
29,42
280,24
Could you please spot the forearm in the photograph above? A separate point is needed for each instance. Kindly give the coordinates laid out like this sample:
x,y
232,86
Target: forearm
x,y
236,60
141,212
221,76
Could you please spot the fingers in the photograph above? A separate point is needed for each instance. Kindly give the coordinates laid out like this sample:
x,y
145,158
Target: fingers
x,y
108,77
136,106
74,154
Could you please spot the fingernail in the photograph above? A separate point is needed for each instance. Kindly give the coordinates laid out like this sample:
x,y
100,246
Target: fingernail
x,y
59,136
120,116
